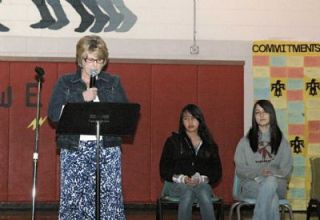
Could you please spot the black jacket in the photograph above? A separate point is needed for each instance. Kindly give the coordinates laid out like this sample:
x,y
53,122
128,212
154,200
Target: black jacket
x,y
179,157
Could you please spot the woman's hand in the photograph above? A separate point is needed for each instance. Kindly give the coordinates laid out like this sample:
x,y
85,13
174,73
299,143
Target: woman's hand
x,y
266,172
90,94
191,181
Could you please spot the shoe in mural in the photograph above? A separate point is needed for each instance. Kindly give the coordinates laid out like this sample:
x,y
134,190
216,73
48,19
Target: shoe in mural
x,y
47,20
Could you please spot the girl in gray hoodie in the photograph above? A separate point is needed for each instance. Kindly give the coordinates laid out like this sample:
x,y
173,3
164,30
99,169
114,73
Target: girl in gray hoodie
x,y
263,162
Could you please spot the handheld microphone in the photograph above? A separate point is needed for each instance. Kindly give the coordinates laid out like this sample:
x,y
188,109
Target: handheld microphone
x,y
93,76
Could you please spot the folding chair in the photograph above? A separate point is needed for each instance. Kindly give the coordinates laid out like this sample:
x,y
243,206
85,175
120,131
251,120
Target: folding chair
x,y
314,202
165,201
283,203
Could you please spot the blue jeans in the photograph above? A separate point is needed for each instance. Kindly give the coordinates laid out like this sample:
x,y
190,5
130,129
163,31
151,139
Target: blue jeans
x,y
202,194
266,193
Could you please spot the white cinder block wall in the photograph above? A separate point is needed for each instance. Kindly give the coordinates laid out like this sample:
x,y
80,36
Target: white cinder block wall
x,y
164,30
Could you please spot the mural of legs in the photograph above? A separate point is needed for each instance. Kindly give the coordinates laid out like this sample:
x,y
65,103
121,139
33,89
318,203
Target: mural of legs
x,y
129,17
115,17
101,18
115,14
3,28
86,18
46,17
61,16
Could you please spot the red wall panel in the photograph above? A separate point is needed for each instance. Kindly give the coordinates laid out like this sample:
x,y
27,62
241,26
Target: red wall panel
x,y
220,90
4,128
48,171
173,86
136,79
22,136
161,89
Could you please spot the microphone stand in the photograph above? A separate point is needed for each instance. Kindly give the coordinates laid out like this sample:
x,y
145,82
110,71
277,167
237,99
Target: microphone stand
x,y
98,123
39,77
93,77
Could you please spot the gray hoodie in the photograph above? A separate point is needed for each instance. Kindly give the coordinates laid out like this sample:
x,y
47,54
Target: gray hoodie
x,y
249,164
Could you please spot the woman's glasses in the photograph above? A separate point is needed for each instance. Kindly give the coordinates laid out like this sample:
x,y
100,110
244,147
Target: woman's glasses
x,y
91,60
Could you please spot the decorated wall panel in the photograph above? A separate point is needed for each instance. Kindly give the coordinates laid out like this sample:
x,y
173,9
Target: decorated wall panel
x,y
288,74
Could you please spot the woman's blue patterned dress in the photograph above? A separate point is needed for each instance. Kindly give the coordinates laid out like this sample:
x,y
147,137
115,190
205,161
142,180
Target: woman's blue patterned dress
x,y
78,183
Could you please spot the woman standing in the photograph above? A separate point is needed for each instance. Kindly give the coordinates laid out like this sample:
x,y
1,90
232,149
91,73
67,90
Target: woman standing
x,y
190,159
264,162
77,155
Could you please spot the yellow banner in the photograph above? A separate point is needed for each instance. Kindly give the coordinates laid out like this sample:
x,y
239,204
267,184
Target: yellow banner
x,y
288,48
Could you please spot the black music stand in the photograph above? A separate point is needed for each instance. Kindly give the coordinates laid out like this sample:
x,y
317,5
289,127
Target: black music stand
x,y
96,118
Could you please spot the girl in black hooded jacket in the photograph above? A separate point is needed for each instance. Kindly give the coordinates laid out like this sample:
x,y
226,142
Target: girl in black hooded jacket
x,y
190,161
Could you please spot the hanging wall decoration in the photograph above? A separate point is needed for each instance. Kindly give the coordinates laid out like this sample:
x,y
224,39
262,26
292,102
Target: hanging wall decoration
x,y
288,74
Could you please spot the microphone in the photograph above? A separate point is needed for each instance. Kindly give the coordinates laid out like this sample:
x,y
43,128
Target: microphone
x,y
40,72
93,76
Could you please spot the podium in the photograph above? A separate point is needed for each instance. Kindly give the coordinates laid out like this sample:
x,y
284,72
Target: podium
x,y
97,118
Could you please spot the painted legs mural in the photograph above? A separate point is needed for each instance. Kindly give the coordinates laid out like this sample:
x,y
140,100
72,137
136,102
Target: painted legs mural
x,y
61,16
103,15
121,21
47,20
2,27
122,18
115,17
99,18
129,17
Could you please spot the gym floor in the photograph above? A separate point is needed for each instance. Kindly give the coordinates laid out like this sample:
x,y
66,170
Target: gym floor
x,y
131,214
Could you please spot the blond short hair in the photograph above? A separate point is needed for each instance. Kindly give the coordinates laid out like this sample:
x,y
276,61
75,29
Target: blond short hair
x,y
91,44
